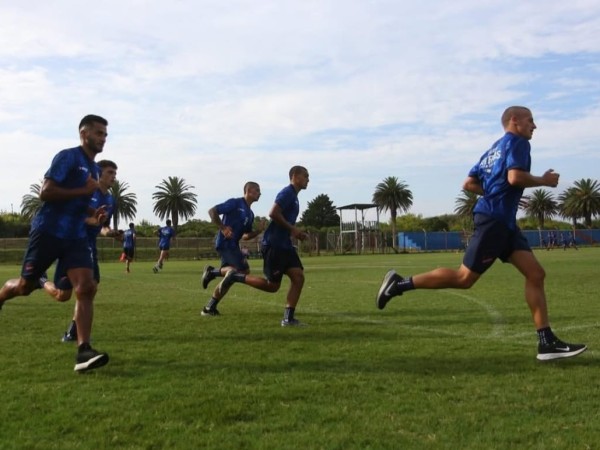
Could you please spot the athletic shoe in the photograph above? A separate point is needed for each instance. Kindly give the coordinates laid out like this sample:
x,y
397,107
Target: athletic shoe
x,y
292,323
210,312
88,359
207,276
388,289
68,337
155,269
559,349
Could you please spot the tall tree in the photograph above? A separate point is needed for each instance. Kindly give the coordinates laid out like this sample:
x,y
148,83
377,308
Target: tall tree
x,y
31,203
581,200
465,204
541,206
125,203
174,199
320,212
393,196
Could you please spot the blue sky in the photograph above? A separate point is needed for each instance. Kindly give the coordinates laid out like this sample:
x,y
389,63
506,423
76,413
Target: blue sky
x,y
220,93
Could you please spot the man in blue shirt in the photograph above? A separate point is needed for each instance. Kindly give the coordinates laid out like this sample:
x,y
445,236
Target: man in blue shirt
x,y
61,289
129,246
237,224
500,177
58,232
279,254
165,234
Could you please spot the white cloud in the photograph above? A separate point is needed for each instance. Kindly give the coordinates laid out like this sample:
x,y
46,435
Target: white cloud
x,y
221,92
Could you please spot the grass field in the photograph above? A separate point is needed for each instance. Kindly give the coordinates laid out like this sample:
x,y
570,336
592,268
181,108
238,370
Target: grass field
x,y
436,369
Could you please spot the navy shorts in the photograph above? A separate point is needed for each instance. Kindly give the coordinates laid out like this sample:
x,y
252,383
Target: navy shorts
x,y
43,249
129,252
492,239
164,247
277,261
61,280
235,258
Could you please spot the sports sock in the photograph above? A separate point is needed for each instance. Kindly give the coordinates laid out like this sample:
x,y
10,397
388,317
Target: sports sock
x,y
406,285
288,314
546,336
212,303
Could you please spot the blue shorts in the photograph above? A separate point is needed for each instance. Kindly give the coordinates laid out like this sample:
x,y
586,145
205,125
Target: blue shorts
x,y
43,249
61,280
164,247
277,261
492,239
129,252
235,258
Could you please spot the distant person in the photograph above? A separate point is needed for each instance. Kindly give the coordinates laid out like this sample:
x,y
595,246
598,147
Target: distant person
x,y
165,234
61,289
500,177
237,224
129,241
58,233
279,254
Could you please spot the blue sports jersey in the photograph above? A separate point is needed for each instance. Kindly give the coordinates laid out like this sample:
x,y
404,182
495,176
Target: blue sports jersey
x,y
128,238
99,199
500,199
237,215
70,169
164,236
275,235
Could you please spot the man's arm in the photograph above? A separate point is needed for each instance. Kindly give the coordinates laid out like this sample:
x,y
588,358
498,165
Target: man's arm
x,y
277,216
524,179
473,185
52,192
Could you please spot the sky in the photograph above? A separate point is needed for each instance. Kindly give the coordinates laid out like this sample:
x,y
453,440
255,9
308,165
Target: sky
x,y
223,92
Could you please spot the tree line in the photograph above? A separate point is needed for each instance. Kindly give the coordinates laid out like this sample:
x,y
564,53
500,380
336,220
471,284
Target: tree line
x,y
175,199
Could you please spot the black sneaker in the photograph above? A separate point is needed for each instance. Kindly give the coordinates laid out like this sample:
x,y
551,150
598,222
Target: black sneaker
x,y
559,349
207,276
68,337
88,359
292,323
388,289
210,312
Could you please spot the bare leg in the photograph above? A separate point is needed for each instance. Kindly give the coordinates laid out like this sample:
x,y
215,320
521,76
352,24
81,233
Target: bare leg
x,y
85,290
442,278
17,287
296,276
58,294
534,274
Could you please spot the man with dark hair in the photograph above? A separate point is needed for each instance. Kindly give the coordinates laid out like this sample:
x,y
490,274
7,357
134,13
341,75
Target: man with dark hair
x,y
237,224
61,289
129,237
165,234
58,232
499,177
279,254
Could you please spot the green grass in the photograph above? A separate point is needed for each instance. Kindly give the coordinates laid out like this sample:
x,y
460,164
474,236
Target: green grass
x,y
441,369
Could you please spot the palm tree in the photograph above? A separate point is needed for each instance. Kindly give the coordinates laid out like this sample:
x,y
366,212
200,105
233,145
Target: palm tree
x,y
566,205
125,203
541,206
466,203
31,203
174,199
392,195
581,200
